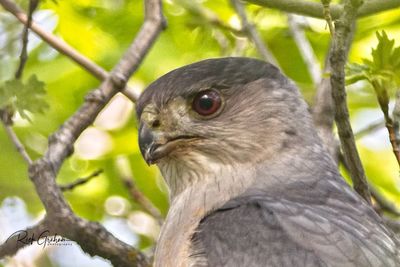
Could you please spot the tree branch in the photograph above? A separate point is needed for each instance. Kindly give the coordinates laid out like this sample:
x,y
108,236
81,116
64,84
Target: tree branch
x,y
12,244
314,9
252,33
64,48
324,108
92,237
305,49
343,33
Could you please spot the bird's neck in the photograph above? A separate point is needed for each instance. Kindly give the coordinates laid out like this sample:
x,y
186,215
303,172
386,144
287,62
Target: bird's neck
x,y
193,195
199,177
196,193
213,181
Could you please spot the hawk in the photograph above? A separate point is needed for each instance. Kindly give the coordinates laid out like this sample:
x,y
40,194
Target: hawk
x,y
250,182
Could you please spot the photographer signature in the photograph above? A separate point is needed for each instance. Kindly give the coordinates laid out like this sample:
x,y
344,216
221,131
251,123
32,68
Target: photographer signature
x,y
44,239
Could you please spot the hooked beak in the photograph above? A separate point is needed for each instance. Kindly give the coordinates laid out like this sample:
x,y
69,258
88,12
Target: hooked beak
x,y
154,145
148,144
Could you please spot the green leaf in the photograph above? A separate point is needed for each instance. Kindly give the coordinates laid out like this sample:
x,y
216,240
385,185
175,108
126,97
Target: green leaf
x,y
24,98
356,72
5,97
383,52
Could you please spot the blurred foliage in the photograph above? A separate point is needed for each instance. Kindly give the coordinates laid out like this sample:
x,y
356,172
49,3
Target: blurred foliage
x,y
102,30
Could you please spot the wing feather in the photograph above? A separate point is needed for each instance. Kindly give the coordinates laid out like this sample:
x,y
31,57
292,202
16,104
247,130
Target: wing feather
x,y
261,229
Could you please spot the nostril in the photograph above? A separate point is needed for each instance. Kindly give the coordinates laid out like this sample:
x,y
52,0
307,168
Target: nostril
x,y
155,124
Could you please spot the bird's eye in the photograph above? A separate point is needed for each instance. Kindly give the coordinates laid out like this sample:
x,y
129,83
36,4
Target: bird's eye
x,y
207,102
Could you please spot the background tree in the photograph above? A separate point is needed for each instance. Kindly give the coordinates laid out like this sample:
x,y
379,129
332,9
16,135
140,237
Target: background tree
x,y
67,98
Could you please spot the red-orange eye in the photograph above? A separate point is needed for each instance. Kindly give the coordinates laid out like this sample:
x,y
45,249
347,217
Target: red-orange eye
x,y
207,102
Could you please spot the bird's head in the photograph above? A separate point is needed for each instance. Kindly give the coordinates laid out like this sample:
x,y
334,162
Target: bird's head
x,y
220,112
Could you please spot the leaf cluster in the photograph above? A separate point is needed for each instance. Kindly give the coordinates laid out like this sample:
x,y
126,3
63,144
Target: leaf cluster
x,y
383,70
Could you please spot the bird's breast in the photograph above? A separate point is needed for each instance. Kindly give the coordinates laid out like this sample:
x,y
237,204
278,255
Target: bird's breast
x,y
173,247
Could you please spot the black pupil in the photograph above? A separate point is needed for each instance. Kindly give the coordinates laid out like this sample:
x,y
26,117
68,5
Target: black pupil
x,y
206,103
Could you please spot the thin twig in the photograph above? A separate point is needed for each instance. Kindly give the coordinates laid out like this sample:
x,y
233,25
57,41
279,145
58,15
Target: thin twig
x,y
17,143
206,15
393,126
142,200
125,173
223,42
374,126
305,49
383,203
24,53
383,100
64,48
396,117
7,122
327,16
80,181
338,60
393,139
314,9
252,33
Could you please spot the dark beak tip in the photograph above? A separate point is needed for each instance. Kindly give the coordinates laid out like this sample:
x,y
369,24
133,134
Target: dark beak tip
x,y
148,158
146,140
149,162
